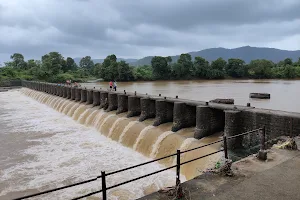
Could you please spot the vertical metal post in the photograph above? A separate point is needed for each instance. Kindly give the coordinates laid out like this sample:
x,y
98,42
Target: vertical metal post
x,y
178,167
103,185
179,193
263,138
225,147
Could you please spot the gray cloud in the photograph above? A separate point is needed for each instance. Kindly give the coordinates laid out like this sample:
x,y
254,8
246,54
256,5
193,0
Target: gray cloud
x,y
146,27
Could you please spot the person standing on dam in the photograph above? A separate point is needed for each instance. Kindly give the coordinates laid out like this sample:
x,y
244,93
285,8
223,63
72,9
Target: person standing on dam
x,y
115,85
110,85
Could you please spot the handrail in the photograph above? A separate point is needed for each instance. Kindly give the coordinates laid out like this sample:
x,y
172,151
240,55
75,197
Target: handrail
x,y
59,188
134,166
202,157
242,134
178,164
201,146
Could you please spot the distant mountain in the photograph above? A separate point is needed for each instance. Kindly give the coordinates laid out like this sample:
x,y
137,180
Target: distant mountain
x,y
245,53
129,60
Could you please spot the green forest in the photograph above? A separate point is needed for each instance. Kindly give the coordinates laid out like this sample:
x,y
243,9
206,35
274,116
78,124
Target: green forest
x,y
53,67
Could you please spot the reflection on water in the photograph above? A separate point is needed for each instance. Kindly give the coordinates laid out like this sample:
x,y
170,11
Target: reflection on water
x,y
284,93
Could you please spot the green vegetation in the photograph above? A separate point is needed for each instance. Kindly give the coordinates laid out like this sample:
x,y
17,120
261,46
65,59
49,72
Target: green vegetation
x,y
53,67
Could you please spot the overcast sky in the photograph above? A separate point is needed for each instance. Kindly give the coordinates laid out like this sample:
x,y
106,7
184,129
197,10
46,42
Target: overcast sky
x,y
138,28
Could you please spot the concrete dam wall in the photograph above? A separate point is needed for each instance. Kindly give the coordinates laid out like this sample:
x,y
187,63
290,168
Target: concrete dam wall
x,y
207,117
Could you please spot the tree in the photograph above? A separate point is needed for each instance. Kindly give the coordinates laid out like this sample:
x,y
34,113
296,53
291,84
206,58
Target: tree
x,y
218,64
97,69
201,67
235,68
289,71
52,63
260,68
184,66
69,65
143,73
125,73
32,64
18,61
160,67
217,68
288,61
109,68
87,64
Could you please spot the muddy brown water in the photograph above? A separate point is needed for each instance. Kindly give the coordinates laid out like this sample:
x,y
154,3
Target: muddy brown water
x,y
48,141
284,93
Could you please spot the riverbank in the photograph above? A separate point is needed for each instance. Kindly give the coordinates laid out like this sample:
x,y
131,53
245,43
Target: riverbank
x,y
277,178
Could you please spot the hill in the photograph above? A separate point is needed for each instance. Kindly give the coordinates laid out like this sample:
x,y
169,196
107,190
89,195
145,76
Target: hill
x,y
245,53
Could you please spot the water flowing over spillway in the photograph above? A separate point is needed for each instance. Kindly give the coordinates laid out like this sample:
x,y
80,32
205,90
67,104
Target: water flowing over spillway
x,y
141,137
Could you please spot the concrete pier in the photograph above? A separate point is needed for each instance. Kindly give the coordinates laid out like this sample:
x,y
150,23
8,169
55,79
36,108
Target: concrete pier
x,y
232,127
61,91
134,106
90,97
112,102
65,92
164,112
96,98
184,116
78,94
83,95
53,90
68,92
56,91
148,109
73,93
122,103
103,100
208,121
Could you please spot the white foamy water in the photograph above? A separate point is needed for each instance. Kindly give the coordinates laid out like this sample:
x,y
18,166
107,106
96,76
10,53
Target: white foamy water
x,y
42,149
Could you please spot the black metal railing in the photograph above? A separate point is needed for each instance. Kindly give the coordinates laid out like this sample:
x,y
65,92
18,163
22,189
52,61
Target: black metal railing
x,y
177,166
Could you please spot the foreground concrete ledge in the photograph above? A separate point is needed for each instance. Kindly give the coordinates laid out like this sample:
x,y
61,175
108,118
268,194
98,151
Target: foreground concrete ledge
x,y
276,179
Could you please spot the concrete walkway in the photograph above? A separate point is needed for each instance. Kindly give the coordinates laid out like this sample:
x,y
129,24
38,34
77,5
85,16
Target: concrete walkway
x,y
277,179
278,183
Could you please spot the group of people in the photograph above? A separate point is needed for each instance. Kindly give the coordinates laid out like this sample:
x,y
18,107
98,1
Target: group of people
x,y
75,84
113,85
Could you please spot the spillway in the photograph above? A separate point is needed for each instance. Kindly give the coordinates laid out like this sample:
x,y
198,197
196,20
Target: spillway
x,y
150,141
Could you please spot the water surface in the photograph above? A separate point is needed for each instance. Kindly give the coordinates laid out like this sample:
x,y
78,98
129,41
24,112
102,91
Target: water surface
x,y
284,93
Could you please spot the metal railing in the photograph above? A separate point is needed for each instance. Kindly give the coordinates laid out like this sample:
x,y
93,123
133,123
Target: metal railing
x,y
177,166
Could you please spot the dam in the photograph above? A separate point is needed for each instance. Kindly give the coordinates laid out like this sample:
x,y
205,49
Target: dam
x,y
136,121
207,118
156,126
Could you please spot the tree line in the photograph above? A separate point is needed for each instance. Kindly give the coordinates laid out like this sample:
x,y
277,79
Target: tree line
x,y
53,67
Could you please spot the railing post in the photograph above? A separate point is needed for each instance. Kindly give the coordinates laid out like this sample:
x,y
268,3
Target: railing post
x,y
225,147
178,167
178,188
103,185
262,153
263,139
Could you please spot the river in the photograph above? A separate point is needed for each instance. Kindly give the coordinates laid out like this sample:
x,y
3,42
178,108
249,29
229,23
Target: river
x,y
284,93
47,141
